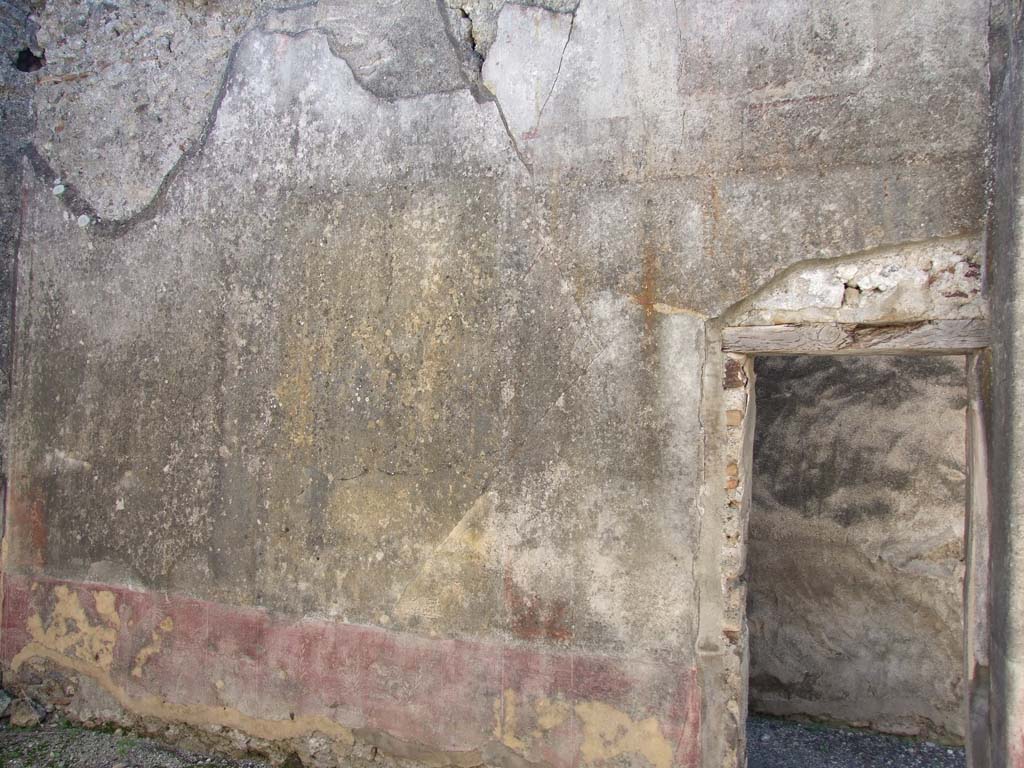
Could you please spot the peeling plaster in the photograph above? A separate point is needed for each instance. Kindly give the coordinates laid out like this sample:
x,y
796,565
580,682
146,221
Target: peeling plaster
x,y
482,17
70,640
532,721
292,23
70,634
935,279
194,714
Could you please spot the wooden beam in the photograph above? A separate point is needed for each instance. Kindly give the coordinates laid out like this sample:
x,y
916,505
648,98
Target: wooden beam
x,y
934,337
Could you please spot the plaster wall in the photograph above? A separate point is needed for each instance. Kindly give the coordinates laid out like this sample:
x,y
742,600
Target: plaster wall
x,y
1004,248
390,329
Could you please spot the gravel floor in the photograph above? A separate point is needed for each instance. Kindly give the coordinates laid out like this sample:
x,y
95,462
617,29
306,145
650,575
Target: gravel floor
x,y
772,744
56,745
784,744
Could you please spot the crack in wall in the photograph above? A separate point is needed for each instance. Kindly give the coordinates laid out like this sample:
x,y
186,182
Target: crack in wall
x,y
335,46
551,7
558,71
539,422
470,60
482,16
471,64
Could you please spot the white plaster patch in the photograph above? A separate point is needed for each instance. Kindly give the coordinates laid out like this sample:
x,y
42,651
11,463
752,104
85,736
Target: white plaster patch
x,y
524,62
58,461
923,281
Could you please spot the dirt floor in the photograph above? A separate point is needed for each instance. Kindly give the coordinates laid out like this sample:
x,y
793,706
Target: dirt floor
x,y
773,744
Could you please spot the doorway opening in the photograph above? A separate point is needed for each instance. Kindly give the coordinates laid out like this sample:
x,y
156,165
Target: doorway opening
x,y
856,555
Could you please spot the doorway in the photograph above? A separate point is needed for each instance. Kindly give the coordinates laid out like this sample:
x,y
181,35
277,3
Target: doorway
x,y
966,341
856,544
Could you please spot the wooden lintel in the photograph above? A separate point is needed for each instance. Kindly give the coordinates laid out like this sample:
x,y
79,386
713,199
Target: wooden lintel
x,y
933,337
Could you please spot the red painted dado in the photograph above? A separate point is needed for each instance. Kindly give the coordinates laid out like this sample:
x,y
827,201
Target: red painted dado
x,y
440,694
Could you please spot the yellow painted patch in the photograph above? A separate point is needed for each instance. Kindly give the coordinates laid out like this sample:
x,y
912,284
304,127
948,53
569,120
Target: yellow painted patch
x,y
106,607
453,575
609,733
70,633
153,647
509,711
191,714
71,641
551,714
506,721
295,391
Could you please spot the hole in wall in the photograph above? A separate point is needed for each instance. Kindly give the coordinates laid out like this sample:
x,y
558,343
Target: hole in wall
x,y
26,61
855,563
